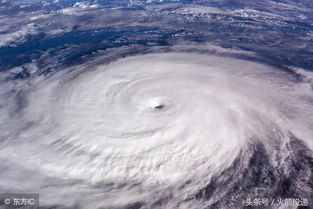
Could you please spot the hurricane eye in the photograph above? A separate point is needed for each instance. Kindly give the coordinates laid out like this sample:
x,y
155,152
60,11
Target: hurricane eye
x,y
159,106
156,104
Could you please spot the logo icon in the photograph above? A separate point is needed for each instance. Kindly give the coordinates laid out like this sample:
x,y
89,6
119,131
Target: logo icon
x,y
7,201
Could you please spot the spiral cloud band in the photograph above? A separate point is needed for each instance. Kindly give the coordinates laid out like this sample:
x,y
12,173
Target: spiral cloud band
x,y
159,131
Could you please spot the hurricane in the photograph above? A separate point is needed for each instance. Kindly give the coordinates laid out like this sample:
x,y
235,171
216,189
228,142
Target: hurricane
x,y
127,105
